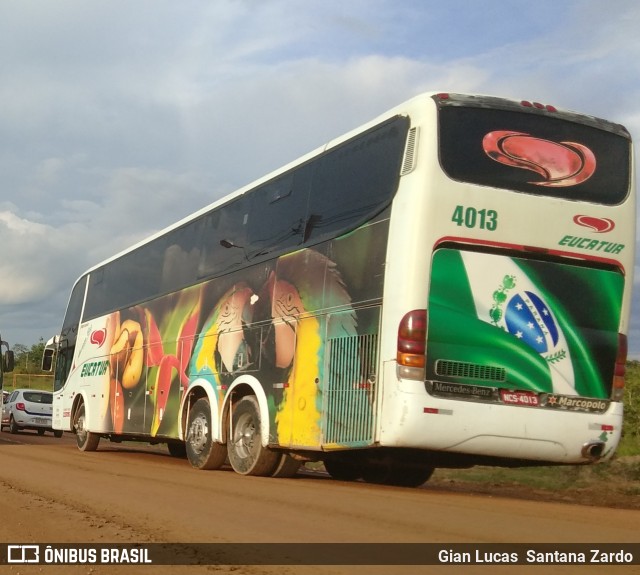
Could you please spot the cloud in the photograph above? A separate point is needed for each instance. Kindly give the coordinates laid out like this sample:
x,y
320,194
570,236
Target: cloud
x,y
24,262
120,118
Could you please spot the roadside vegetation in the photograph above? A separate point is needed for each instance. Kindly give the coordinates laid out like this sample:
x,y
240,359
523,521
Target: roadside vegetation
x,y
27,371
630,444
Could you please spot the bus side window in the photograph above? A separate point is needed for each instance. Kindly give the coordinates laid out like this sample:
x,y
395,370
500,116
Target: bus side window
x,y
224,239
356,180
181,258
278,214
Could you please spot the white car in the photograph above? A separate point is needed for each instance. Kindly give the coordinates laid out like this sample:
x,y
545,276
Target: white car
x,y
28,409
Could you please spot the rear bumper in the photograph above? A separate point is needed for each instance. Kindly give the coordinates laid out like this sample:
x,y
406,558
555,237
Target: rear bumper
x,y
416,419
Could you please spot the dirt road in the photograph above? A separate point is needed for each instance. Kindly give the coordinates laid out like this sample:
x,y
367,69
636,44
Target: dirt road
x,y
52,493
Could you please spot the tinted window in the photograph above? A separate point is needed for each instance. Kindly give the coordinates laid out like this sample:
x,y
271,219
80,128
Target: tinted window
x,y
165,264
278,213
224,239
327,196
534,153
356,180
74,309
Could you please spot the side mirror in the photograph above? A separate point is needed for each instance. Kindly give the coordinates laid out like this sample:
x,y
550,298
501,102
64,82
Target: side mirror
x,y
47,360
8,361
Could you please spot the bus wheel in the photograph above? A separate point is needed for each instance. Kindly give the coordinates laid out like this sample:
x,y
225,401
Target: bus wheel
x,y
86,440
246,453
202,451
287,466
411,476
177,449
389,471
343,470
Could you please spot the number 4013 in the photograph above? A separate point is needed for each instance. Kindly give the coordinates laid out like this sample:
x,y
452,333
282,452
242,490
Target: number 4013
x,y
471,218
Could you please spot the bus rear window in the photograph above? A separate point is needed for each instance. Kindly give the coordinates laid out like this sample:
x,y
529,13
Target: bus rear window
x,y
534,153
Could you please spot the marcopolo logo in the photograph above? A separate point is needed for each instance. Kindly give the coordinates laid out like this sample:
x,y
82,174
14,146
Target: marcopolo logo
x,y
577,403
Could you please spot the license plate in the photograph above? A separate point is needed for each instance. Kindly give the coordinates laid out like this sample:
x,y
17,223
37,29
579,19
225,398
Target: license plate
x,y
41,420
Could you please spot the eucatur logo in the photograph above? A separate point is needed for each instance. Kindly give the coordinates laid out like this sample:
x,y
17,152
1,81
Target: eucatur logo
x,y
598,225
559,164
98,336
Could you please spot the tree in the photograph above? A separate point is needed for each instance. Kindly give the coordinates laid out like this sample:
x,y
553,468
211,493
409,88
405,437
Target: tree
x,y
28,359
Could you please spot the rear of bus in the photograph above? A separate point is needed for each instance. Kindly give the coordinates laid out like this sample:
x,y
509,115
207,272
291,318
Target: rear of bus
x,y
528,224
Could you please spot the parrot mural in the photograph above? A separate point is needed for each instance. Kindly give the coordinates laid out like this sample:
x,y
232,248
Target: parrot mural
x,y
303,283
222,348
276,324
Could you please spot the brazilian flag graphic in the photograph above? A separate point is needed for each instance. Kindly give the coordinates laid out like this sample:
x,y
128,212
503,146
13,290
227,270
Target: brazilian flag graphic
x,y
550,327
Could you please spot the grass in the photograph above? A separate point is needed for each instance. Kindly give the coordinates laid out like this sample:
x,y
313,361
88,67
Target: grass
x,y
551,477
26,380
630,443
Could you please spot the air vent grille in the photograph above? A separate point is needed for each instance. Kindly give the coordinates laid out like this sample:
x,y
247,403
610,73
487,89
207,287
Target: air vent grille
x,y
409,161
460,369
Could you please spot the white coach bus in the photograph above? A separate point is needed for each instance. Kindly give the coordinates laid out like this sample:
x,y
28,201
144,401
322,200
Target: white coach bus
x,y
447,285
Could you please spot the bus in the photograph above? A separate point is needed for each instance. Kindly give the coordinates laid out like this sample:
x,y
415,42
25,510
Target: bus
x,y
445,286
6,362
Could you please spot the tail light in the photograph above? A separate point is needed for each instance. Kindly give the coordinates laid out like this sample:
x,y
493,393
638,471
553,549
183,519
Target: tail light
x,y
538,106
620,368
20,406
412,341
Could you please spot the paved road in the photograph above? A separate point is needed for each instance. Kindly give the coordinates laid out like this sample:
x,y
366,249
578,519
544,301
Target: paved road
x,y
52,493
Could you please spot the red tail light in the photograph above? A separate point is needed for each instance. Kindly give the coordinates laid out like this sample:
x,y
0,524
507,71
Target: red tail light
x,y
620,368
20,406
412,337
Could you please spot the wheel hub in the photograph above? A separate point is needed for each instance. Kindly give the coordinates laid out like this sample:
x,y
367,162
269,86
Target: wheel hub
x,y
245,436
80,431
198,433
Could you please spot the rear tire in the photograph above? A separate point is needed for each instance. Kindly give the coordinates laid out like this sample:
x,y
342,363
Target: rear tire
x,y
201,450
177,449
247,455
40,431
86,440
57,432
287,467
13,426
343,470
401,471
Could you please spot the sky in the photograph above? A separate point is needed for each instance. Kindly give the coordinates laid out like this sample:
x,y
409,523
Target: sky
x,y
119,117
